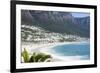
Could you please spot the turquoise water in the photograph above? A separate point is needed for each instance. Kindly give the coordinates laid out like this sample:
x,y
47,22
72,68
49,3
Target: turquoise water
x,y
81,49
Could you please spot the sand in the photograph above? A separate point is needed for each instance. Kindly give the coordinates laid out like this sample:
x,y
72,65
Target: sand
x,y
45,48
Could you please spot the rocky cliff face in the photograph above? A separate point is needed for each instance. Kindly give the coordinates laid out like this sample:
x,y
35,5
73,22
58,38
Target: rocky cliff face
x,y
26,17
59,22
83,22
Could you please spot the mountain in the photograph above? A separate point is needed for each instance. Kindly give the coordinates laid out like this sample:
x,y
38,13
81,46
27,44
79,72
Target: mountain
x,y
83,23
26,17
58,22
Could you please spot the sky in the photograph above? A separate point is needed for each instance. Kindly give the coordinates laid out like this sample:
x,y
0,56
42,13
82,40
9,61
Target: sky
x,y
80,14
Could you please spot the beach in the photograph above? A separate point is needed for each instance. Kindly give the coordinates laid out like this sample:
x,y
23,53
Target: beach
x,y
46,48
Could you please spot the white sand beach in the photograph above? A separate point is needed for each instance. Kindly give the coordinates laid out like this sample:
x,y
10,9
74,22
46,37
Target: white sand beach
x,y
45,48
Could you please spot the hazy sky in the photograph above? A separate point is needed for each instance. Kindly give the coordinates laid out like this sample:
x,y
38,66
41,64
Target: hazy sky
x,y
80,14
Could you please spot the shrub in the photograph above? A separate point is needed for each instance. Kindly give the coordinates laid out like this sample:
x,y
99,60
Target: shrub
x,y
25,55
35,57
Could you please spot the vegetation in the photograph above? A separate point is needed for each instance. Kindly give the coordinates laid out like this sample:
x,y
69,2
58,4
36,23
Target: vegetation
x,y
35,57
25,56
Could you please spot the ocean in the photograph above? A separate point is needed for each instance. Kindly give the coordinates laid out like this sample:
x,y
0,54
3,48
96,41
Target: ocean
x,y
75,49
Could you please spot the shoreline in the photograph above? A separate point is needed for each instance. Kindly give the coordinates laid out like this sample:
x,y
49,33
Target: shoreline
x,y
45,48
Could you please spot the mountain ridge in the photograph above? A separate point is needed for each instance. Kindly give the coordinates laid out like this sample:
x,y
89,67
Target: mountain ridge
x,y
59,22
